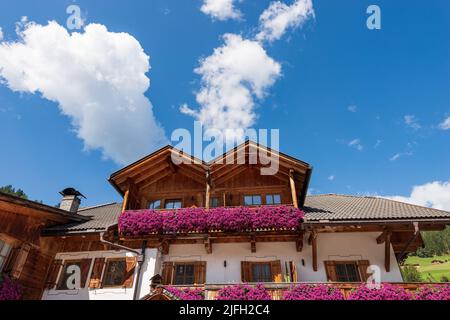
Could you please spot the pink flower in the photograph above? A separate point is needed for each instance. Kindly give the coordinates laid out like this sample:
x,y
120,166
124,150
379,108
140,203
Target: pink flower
x,y
9,290
385,292
187,220
186,293
244,292
313,292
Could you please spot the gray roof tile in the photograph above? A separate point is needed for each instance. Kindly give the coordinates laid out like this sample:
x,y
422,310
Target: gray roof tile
x,y
342,207
102,217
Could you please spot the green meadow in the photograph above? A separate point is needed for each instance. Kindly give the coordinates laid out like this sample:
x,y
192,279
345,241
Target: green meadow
x,y
429,271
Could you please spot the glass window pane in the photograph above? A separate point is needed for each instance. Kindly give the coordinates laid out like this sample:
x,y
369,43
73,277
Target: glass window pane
x,y
276,199
248,200
62,284
269,199
155,205
173,204
214,202
115,273
257,200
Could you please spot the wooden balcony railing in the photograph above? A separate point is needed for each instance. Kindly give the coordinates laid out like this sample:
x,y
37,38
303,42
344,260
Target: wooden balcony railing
x,y
276,290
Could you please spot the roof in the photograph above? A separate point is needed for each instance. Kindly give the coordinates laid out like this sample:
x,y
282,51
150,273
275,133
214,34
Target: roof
x,y
100,219
318,208
56,214
334,207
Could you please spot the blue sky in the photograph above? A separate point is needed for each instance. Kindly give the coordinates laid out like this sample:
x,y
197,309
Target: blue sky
x,y
364,107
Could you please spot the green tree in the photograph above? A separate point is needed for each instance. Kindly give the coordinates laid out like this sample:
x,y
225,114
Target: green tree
x,y
410,274
14,192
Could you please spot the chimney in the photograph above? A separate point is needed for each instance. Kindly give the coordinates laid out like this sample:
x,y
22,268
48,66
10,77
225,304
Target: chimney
x,y
71,200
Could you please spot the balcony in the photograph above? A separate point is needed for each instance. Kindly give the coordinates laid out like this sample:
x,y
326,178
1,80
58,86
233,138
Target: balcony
x,y
276,291
229,220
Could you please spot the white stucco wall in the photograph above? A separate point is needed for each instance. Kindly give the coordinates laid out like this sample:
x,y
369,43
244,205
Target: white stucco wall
x,y
148,270
332,246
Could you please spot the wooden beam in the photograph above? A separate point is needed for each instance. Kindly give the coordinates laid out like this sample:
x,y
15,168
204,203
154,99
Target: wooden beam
x,y
314,250
208,189
293,190
164,247
387,252
125,200
299,242
382,237
208,245
253,244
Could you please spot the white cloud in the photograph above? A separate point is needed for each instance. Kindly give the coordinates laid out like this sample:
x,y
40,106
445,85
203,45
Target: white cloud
x,y
234,76
352,108
1,34
221,9
395,157
279,17
445,125
332,178
412,122
378,143
434,194
97,77
356,143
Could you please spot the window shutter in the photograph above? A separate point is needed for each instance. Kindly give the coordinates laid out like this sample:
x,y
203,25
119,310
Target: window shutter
x,y
12,257
20,260
200,272
96,275
53,273
85,266
129,276
246,272
293,268
330,268
167,273
275,267
362,267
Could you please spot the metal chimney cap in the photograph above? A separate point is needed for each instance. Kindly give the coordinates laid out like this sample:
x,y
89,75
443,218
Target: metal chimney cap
x,y
71,192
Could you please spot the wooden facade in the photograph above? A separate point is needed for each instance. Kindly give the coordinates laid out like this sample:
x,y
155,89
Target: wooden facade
x,y
30,257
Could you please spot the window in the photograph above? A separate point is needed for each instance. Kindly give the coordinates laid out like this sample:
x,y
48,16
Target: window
x,y
261,272
273,199
115,273
347,272
252,200
67,272
5,249
184,274
154,205
173,204
214,202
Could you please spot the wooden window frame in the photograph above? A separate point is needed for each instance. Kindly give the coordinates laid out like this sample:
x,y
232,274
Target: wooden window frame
x,y
273,199
347,263
253,264
211,202
173,200
247,270
361,269
7,256
168,272
83,278
105,272
252,196
174,275
127,282
152,202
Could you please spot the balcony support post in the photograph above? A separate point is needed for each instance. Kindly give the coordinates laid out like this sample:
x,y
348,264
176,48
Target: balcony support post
x,y
293,189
